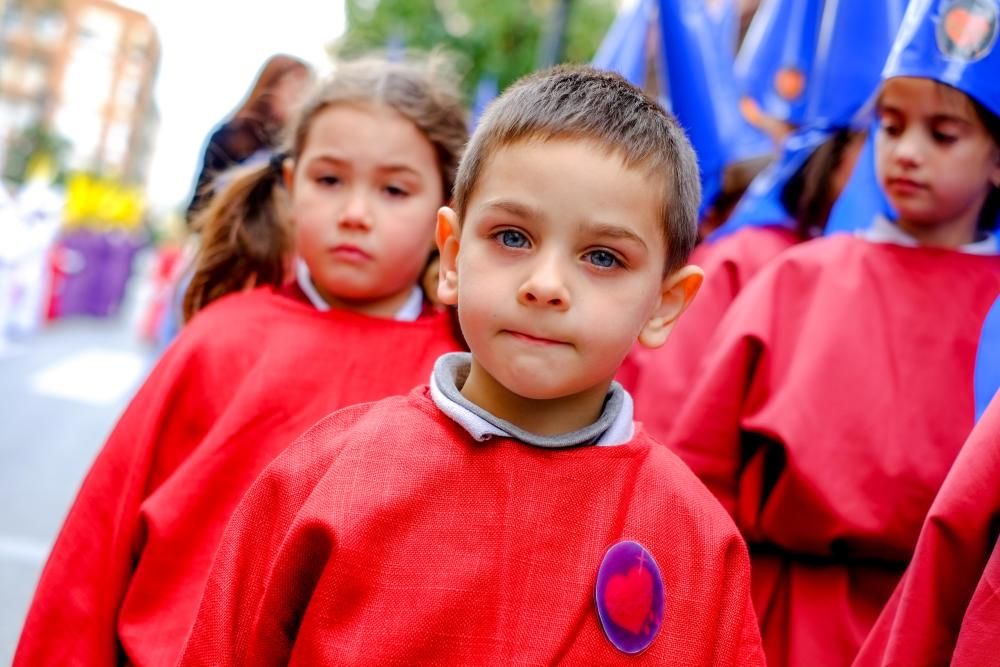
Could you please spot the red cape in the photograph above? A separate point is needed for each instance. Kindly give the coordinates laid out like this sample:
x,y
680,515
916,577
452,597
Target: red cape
x,y
949,594
387,535
664,376
244,379
836,397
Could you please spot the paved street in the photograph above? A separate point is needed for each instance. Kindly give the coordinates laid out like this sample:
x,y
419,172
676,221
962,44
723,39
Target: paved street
x,y
60,393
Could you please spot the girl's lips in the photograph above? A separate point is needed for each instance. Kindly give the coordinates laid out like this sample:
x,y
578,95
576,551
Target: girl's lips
x,y
349,253
904,186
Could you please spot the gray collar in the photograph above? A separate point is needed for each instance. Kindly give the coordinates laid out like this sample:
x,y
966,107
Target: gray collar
x,y
613,427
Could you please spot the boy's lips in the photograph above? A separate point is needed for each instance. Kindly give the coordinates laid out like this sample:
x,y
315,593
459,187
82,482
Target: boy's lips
x,y
534,340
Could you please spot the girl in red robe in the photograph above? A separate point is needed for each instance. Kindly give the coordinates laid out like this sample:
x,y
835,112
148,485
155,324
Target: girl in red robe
x,y
373,157
838,392
662,377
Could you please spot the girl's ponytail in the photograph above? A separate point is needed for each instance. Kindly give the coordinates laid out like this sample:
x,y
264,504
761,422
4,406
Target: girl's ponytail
x,y
245,237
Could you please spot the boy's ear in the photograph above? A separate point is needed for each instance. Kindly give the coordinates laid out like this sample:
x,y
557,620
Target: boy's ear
x,y
676,293
447,236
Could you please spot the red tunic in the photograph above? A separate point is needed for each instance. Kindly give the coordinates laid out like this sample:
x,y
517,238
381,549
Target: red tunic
x,y
825,419
245,378
949,593
388,536
665,375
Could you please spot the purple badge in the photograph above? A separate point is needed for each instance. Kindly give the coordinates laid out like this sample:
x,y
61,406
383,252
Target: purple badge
x,y
630,597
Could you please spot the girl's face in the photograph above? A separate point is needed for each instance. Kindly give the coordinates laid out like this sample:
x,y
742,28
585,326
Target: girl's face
x,y
935,160
364,198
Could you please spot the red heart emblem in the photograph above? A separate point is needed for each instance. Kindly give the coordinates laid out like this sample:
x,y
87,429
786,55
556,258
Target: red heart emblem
x,y
629,598
965,29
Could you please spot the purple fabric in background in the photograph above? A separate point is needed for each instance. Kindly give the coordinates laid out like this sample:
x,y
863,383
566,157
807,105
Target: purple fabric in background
x,y
99,266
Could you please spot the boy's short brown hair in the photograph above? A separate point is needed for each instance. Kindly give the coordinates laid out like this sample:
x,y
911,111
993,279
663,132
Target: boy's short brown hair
x,y
579,102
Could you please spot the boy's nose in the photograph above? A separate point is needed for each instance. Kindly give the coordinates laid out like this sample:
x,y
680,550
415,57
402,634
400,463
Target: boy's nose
x,y
545,286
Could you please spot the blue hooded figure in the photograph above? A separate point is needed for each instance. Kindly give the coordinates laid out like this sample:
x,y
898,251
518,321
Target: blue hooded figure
x,y
689,60
852,35
704,98
774,63
950,41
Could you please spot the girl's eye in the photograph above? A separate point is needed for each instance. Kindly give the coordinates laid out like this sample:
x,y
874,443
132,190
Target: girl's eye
x,y
511,238
603,259
891,130
942,138
394,191
327,180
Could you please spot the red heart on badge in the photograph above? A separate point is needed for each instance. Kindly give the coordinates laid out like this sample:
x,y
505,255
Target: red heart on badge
x,y
965,29
629,598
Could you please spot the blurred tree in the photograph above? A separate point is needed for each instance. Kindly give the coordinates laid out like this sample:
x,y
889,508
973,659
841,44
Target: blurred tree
x,y
30,145
502,39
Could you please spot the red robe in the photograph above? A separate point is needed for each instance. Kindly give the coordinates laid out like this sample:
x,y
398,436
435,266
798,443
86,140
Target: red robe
x,y
387,535
245,378
836,397
664,375
949,594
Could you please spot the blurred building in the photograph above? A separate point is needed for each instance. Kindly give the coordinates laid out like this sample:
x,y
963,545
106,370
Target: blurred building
x,y
85,70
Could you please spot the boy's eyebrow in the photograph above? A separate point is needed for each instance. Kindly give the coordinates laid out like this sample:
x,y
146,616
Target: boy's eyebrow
x,y
514,208
609,230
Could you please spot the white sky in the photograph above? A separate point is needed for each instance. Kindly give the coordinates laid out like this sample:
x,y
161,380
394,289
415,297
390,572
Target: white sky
x,y
211,51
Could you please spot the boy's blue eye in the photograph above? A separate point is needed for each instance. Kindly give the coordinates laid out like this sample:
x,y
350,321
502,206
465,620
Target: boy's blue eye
x,y
512,238
602,259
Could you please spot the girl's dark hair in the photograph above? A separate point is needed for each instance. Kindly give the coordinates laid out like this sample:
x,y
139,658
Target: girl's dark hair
x,y
991,207
246,235
807,195
245,238
258,106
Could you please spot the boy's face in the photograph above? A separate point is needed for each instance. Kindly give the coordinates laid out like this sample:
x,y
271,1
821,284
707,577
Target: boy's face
x,y
558,267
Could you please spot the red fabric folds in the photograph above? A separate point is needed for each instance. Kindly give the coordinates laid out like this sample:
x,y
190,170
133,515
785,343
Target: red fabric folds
x,y
836,397
947,605
663,376
246,377
387,535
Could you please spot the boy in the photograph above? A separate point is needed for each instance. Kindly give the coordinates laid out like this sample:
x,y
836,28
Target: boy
x,y
511,511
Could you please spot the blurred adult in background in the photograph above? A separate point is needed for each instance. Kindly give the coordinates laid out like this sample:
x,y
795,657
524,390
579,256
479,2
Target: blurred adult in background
x,y
254,130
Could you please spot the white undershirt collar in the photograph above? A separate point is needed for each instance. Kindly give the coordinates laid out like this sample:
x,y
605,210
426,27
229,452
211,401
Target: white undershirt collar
x,y
885,231
621,430
410,311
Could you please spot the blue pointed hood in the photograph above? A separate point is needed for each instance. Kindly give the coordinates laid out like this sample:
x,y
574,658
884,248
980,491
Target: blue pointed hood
x,y
954,42
706,105
624,48
776,58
